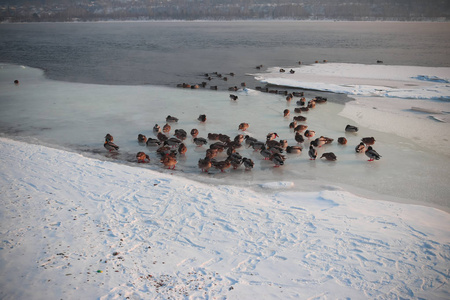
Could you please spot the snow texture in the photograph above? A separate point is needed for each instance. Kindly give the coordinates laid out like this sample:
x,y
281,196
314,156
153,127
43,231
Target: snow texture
x,y
78,228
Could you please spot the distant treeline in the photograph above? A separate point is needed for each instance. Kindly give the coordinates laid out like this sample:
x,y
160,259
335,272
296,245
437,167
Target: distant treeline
x,y
94,10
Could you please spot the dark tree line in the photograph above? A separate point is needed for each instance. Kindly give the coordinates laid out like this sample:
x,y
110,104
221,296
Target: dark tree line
x,y
91,10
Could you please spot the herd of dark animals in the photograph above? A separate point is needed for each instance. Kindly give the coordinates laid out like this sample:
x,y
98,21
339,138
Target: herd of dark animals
x,y
169,148
269,150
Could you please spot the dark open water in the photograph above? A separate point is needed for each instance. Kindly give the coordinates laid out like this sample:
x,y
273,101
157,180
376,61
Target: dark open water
x,y
167,53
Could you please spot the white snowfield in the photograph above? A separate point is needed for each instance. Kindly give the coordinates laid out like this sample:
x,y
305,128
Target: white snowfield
x,y
79,228
392,81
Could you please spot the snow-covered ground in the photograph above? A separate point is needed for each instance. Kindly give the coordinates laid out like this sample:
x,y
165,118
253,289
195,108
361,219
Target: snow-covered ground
x,y
79,228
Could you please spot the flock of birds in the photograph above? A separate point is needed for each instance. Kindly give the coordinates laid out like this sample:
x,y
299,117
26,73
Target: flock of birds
x,y
170,146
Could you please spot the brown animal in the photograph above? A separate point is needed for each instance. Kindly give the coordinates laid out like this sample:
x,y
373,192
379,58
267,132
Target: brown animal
x,y
169,161
368,140
329,156
142,157
342,140
243,126
222,165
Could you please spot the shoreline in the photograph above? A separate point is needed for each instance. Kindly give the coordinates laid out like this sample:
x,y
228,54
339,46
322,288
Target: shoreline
x,y
263,187
236,20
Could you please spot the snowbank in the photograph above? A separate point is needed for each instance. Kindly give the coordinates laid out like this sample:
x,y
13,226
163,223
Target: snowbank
x,y
78,228
368,80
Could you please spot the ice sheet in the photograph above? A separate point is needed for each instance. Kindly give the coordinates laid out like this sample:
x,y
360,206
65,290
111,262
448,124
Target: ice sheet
x,y
76,117
369,80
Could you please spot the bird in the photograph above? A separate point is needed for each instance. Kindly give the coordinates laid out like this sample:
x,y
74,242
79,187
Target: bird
x,y
169,161
286,112
222,165
233,145
300,128
276,149
110,146
293,124
271,136
211,153
248,139
298,110
360,148
248,163
299,118
170,118
109,138
233,97
199,141
309,133
166,128
142,157
301,102
342,140
156,129
369,141
265,153
235,160
202,118
329,156
278,159
318,142
299,137
239,138
163,151
142,139
217,145
153,142
180,134
224,138
312,153
182,149
311,104
326,139
273,143
194,132
257,145
372,154
213,136
283,144
204,164
351,128
162,137
243,126
174,142
294,149
320,99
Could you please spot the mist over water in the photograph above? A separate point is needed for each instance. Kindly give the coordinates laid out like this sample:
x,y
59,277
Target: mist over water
x,y
115,75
